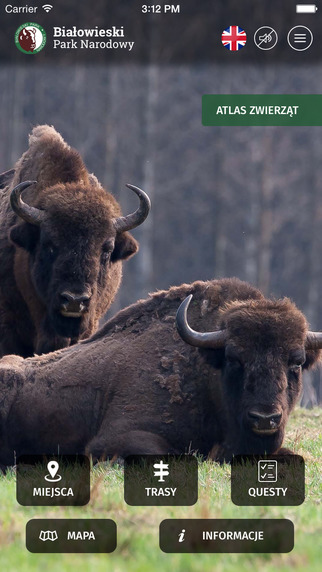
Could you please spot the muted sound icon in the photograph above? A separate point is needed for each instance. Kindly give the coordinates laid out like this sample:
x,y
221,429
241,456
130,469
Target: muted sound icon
x,y
265,38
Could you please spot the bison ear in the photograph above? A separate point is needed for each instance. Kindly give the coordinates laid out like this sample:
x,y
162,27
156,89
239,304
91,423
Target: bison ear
x,y
24,235
312,358
125,246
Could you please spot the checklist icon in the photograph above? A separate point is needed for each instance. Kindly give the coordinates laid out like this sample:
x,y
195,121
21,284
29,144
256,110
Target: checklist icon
x,y
267,471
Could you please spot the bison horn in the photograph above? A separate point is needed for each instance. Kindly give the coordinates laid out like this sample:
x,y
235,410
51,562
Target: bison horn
x,y
199,339
133,220
28,213
313,341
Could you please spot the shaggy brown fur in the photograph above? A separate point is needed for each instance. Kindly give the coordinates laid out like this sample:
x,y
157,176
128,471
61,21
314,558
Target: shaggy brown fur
x,y
135,387
75,249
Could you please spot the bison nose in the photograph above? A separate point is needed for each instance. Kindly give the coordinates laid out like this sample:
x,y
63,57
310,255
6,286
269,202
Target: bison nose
x,y
71,297
264,423
74,305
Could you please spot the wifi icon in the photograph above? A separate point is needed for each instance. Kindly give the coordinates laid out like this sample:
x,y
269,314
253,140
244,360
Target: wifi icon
x,y
47,7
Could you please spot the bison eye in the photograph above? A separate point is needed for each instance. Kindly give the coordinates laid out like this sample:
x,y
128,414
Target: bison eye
x,y
105,256
295,362
233,359
234,362
50,249
107,249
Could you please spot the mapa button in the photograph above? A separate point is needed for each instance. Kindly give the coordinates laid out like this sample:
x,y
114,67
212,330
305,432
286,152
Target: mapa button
x,y
71,535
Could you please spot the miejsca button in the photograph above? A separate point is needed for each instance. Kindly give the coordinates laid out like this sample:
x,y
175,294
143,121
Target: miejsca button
x,y
61,480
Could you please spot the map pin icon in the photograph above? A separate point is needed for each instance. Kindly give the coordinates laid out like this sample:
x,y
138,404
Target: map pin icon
x,y
53,467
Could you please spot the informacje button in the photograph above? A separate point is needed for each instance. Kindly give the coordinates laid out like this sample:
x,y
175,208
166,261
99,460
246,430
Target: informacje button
x,y
226,535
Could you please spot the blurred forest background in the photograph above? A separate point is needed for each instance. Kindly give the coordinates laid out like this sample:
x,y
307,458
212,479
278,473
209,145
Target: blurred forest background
x,y
226,201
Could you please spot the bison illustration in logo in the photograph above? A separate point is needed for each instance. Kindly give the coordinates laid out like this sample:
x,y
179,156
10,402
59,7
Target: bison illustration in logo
x,y
27,39
30,38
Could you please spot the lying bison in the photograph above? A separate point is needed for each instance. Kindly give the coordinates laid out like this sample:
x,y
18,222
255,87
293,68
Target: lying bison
x,y
136,387
61,247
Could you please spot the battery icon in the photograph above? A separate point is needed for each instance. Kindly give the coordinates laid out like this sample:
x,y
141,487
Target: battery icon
x,y
306,8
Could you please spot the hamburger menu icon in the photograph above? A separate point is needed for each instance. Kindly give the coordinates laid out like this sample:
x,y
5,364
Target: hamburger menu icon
x,y
30,38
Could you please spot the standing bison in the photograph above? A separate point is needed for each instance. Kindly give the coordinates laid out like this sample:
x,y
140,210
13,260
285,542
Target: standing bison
x,y
61,247
136,387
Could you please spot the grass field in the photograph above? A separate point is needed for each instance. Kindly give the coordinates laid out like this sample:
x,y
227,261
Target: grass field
x,y
138,527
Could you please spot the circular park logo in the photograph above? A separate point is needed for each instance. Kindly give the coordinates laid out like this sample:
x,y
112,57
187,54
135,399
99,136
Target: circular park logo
x,y
30,38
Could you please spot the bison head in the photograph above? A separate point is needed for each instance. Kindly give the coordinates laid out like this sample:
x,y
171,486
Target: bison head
x,y
27,39
76,240
261,348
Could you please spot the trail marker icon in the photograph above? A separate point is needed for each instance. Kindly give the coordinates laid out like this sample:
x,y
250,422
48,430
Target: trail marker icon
x,y
161,470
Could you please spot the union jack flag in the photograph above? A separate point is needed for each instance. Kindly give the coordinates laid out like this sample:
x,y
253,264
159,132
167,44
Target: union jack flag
x,y
234,38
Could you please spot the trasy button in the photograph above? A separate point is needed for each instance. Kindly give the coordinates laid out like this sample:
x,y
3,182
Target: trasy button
x,y
71,535
160,480
271,480
62,480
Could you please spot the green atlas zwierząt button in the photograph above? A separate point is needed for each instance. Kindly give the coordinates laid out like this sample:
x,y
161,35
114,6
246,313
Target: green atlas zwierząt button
x,y
262,110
